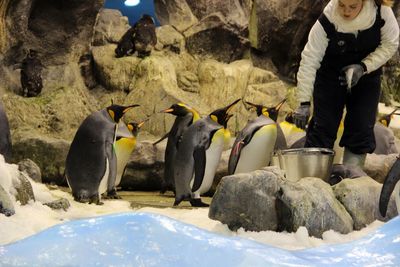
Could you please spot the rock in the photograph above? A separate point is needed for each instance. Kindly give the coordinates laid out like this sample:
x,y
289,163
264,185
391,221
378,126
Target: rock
x,y
110,26
114,73
58,204
285,40
31,169
246,200
145,169
169,37
49,154
176,13
214,36
360,197
6,204
310,202
378,166
188,81
24,189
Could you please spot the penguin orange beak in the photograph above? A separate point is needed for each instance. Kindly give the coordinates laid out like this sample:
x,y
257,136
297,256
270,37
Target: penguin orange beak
x,y
277,107
168,110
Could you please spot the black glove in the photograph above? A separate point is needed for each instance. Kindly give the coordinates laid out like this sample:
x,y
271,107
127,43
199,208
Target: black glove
x,y
358,71
301,115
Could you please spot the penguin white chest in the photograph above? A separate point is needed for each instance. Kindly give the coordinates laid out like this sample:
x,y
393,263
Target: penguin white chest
x,y
257,153
213,156
104,180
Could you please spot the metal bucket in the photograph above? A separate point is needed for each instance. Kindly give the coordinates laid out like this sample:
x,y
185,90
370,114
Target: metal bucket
x,y
306,162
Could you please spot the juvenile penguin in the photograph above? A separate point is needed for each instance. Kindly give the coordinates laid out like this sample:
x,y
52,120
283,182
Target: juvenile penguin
x,y
141,37
255,143
390,185
91,164
31,74
125,144
198,155
5,136
185,116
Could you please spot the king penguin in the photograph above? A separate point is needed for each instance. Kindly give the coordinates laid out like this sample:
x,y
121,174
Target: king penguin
x,y
290,130
5,136
198,155
256,142
125,144
384,136
91,164
390,185
185,116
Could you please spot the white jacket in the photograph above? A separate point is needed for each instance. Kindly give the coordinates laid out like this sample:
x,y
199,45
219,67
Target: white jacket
x,y
314,50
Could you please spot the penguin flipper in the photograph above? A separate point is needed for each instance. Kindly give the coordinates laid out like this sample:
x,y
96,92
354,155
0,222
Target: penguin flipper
x,y
388,186
199,156
234,156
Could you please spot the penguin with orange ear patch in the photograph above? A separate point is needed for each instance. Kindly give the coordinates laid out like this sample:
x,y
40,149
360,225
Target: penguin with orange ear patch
x,y
91,163
125,144
198,156
255,143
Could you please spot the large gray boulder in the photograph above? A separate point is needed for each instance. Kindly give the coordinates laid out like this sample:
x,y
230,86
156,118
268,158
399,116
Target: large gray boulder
x,y
246,200
311,203
360,197
176,13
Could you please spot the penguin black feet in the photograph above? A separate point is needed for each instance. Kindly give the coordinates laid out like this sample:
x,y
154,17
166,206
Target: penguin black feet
x,y
112,195
96,200
196,202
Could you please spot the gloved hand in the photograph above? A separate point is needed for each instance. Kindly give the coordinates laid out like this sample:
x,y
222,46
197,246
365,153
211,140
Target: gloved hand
x,y
301,115
358,71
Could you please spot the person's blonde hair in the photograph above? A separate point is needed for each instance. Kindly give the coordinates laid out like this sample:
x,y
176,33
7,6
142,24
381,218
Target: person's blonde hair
x,y
384,2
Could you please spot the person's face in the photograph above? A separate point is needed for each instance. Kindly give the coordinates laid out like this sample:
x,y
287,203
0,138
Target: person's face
x,y
349,9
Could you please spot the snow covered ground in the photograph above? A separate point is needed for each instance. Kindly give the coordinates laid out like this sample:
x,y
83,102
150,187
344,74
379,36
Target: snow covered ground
x,y
35,217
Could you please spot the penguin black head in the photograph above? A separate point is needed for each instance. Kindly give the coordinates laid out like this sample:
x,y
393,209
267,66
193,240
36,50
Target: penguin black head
x,y
179,109
146,18
386,119
289,117
271,112
222,115
134,127
32,53
116,111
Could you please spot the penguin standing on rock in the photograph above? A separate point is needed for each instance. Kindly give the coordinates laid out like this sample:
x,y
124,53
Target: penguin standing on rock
x,y
141,37
198,156
384,136
254,145
5,136
125,144
185,116
31,75
91,163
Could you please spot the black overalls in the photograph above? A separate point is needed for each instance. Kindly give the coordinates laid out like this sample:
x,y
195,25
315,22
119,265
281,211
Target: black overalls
x,y
330,97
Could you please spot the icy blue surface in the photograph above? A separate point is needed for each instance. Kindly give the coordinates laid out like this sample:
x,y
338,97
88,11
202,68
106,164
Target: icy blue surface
x,y
145,239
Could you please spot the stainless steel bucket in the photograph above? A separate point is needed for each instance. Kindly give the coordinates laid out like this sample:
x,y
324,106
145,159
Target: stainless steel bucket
x,y
306,162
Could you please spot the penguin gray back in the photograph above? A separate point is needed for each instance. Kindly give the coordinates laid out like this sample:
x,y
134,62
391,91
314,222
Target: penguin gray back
x,y
195,141
90,153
